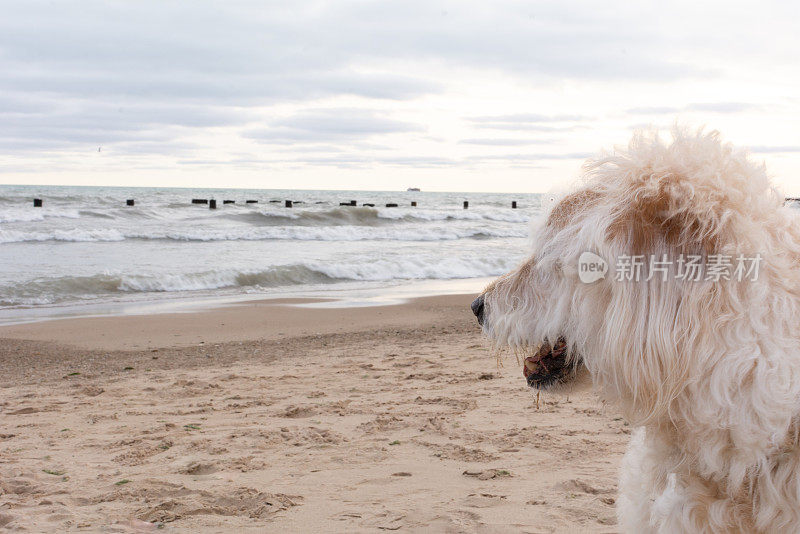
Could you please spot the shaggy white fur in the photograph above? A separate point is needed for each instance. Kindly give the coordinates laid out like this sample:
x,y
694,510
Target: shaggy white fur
x,y
710,369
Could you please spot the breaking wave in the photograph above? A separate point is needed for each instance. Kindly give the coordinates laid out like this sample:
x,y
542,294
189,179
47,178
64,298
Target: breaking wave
x,y
365,216
10,215
295,233
57,289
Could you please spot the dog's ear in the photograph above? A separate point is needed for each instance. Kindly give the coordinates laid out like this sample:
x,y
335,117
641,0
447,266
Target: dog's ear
x,y
571,207
682,196
660,211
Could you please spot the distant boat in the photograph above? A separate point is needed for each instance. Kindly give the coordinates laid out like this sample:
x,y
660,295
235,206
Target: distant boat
x,y
413,189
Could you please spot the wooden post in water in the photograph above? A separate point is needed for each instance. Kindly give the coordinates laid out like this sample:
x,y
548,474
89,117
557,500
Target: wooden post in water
x,y
391,205
466,204
413,203
130,202
212,204
288,203
37,202
513,204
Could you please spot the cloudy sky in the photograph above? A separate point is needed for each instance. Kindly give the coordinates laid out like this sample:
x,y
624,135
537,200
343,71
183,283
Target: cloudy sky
x,y
453,96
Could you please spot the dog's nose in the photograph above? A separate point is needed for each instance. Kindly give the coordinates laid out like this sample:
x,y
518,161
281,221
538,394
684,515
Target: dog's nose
x,y
477,309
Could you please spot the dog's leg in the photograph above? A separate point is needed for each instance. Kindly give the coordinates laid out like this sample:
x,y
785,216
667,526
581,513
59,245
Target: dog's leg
x,y
634,501
650,498
657,495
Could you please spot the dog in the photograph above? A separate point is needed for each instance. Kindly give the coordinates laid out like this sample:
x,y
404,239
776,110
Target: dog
x,y
705,367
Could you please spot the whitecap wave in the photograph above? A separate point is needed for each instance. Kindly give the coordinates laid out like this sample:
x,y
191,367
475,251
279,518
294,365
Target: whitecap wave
x,y
12,215
294,233
74,235
365,216
58,289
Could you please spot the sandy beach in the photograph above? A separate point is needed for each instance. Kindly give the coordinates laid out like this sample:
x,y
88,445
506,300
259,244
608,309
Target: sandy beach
x,y
267,416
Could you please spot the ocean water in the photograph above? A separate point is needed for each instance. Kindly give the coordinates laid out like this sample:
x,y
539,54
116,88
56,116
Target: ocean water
x,y
85,246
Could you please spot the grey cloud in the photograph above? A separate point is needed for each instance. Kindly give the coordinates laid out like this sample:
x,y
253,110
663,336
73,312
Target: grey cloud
x,y
362,161
774,149
84,115
490,141
532,122
711,107
243,88
22,104
16,145
392,161
721,107
531,157
648,126
528,127
78,122
316,148
418,161
652,110
164,148
528,118
326,125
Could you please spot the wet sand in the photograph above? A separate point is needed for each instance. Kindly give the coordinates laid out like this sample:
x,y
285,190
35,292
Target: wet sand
x,y
267,416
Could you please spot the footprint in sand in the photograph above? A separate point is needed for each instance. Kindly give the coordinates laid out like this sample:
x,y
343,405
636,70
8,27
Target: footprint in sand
x,y
241,501
576,485
483,500
296,412
197,467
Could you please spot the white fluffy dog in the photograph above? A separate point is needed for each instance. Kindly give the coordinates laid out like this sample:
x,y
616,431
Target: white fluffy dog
x,y
706,366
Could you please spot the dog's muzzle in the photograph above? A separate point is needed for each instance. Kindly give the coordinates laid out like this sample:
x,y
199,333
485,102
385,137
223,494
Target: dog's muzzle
x,y
548,366
477,308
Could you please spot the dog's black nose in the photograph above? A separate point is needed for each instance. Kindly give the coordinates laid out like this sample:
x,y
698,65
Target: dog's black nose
x,y
477,309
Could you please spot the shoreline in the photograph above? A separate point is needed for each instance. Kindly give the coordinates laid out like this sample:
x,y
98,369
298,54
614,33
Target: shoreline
x,y
264,320
363,294
291,418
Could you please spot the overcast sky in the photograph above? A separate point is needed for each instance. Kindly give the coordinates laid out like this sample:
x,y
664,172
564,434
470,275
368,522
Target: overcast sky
x,y
453,96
